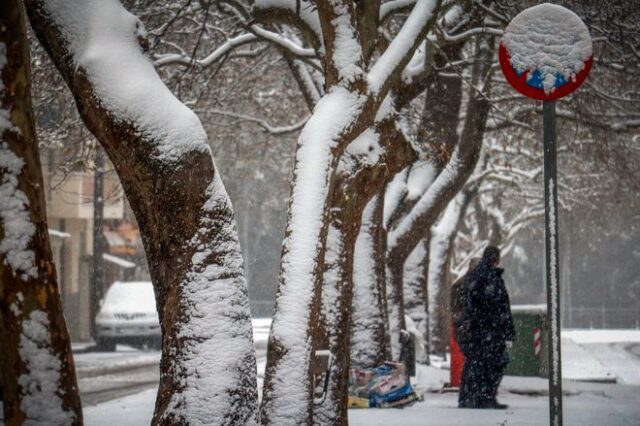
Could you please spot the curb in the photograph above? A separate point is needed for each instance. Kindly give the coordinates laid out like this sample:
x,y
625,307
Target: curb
x,y
82,373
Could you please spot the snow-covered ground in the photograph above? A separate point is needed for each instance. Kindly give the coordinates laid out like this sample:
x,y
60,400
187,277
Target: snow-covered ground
x,y
597,356
585,404
602,355
92,363
587,354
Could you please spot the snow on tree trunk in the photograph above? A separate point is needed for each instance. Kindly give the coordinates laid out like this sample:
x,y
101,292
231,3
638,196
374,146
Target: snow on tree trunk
x,y
395,306
369,338
409,229
334,291
361,174
349,107
288,383
441,245
160,152
423,192
38,373
416,295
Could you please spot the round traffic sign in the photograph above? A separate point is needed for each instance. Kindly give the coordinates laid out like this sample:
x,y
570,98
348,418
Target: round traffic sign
x,y
546,52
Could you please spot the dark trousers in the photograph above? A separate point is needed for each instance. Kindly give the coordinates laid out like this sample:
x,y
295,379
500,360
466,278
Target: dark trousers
x,y
484,367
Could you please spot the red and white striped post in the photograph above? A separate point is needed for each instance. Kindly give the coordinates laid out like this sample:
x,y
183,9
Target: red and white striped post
x,y
537,341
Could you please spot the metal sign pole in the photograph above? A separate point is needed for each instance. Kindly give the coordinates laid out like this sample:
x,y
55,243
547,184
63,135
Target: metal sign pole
x,y
97,269
552,261
534,83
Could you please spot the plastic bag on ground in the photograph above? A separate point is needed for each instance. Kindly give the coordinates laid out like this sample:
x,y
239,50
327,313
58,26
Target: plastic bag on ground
x,y
385,386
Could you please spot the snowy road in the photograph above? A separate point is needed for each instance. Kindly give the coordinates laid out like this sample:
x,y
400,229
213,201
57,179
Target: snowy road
x,y
105,376
98,389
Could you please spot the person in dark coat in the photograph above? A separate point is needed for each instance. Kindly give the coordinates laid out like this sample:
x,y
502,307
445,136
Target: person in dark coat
x,y
461,324
457,302
484,326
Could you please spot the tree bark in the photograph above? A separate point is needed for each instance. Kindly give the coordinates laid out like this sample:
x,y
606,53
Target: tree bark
x,y
451,155
349,107
416,294
160,152
349,195
38,379
369,337
408,233
442,245
296,330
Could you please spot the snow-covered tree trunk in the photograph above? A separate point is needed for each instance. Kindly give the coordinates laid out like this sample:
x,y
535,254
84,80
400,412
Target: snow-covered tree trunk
x,y
363,170
416,295
369,338
354,94
395,305
335,292
38,374
447,155
295,329
159,149
410,227
437,131
441,248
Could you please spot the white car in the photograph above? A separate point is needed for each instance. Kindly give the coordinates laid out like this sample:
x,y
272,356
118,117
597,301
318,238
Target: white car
x,y
128,315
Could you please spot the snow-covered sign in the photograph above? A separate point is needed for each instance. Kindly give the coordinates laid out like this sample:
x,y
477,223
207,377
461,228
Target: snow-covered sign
x,y
546,52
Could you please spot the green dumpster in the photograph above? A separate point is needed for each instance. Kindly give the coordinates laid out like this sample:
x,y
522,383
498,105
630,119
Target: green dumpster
x,y
529,352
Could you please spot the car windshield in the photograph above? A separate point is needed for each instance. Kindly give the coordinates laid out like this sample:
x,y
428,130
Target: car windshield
x,y
130,297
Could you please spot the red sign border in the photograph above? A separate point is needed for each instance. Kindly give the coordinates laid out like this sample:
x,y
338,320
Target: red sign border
x,y
519,82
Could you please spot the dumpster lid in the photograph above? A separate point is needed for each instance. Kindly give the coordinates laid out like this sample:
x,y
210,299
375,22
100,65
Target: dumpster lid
x,y
530,309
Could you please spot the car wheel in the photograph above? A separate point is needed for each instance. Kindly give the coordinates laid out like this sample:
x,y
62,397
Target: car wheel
x,y
106,344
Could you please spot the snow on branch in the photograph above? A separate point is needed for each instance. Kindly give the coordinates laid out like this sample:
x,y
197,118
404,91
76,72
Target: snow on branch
x,y
466,35
448,182
283,42
257,34
394,193
344,54
400,51
444,181
308,82
223,50
302,15
417,65
269,128
103,42
389,8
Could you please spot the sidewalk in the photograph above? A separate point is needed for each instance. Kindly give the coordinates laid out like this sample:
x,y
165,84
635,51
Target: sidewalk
x,y
585,404
587,355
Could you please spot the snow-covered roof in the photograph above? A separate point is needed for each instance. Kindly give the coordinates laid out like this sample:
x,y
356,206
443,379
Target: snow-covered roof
x,y
118,261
